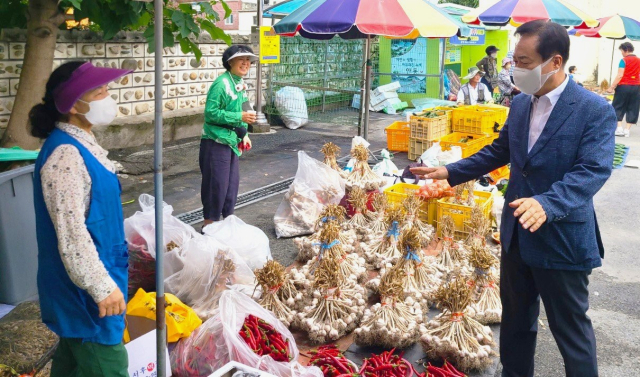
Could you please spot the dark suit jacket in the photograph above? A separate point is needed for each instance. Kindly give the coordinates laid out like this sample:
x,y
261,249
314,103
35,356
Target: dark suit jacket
x,y
566,167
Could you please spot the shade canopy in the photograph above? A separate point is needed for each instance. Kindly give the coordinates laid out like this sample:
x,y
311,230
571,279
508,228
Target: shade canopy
x,y
613,27
284,8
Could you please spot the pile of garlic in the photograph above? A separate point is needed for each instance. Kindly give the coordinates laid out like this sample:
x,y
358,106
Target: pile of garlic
x,y
386,247
331,153
309,247
362,176
394,322
271,278
358,199
454,335
412,209
486,295
453,255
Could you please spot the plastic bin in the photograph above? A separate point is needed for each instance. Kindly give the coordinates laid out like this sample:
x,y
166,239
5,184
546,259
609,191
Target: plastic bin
x,y
18,244
428,128
474,143
475,120
500,173
503,112
417,147
461,214
397,193
398,136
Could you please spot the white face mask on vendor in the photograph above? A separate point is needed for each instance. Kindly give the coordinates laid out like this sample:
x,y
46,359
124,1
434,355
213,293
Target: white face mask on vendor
x,y
101,112
529,81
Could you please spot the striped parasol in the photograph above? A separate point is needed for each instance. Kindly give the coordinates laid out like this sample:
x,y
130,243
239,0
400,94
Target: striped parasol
x,y
613,27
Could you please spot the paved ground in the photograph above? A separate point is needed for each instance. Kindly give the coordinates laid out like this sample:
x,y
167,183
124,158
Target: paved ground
x,y
615,288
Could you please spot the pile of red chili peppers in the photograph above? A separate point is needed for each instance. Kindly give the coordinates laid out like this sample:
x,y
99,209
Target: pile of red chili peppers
x,y
264,339
332,362
447,370
387,365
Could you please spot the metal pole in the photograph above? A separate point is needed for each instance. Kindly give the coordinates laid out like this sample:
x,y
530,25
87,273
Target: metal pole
x,y
361,116
444,53
367,88
261,119
326,66
161,337
613,50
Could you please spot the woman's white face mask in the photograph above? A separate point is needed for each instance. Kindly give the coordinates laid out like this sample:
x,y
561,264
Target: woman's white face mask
x,y
101,112
530,81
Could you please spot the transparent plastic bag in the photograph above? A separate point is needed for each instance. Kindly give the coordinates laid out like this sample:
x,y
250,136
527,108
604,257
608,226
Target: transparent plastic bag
x,y
386,165
210,268
430,156
234,308
315,186
201,354
247,240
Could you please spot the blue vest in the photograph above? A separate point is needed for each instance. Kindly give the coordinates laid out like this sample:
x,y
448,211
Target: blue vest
x,y
67,310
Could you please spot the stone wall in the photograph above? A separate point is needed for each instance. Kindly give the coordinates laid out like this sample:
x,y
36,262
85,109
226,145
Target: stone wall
x,y
184,86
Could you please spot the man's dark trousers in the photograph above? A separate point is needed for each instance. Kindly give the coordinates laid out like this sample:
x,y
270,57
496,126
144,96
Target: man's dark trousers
x,y
565,296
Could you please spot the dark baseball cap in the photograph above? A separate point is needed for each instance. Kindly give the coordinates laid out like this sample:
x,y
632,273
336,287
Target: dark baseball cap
x,y
85,78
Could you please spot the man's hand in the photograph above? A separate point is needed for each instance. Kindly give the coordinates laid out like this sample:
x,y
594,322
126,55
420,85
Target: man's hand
x,y
112,305
431,173
249,118
531,213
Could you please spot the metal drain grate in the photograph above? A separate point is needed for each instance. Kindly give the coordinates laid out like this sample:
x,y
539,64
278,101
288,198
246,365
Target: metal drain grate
x,y
250,197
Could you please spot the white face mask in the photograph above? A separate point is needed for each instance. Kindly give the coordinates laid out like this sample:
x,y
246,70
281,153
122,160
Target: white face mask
x,y
494,55
529,81
101,112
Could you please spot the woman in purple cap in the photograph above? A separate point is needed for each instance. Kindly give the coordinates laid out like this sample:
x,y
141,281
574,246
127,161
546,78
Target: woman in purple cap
x,y
224,134
82,253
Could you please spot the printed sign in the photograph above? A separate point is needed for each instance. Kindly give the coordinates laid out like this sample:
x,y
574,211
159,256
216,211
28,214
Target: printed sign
x,y
142,356
453,54
269,46
409,58
476,38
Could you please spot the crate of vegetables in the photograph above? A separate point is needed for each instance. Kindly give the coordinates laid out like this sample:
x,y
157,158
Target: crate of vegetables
x,y
398,192
429,125
460,210
469,143
475,120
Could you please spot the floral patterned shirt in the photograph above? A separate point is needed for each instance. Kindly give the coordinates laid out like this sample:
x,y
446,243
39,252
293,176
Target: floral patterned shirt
x,y
66,186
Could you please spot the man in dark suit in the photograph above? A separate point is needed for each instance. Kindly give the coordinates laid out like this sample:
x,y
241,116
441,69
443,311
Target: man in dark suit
x,y
559,139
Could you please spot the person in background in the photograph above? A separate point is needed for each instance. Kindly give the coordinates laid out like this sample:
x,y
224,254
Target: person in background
x,y
507,89
626,100
474,92
560,143
82,252
489,65
224,135
510,57
573,75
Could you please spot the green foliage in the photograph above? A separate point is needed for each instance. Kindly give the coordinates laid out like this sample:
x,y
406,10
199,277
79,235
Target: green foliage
x,y
182,23
466,3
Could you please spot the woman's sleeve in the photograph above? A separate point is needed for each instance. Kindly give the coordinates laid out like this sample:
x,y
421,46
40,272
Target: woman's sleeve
x,y
219,96
65,185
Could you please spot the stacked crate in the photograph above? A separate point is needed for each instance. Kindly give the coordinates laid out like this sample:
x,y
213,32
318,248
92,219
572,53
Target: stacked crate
x,y
424,130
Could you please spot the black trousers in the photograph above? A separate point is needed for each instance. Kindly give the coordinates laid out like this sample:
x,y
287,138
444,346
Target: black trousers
x,y
220,179
626,101
488,84
566,300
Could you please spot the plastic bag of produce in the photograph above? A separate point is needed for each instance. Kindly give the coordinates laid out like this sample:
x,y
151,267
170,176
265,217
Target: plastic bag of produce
x,y
210,268
201,354
292,106
314,186
248,241
430,156
386,166
450,156
234,309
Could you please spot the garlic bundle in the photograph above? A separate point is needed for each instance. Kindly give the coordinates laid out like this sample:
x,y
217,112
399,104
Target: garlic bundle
x,y
387,249
486,299
470,188
454,335
331,153
380,205
458,196
412,207
479,228
419,277
394,322
362,176
309,247
358,199
336,306
271,278
453,255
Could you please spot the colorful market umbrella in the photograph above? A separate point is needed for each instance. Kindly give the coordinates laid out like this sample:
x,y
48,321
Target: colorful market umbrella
x,y
517,12
356,19
284,8
613,27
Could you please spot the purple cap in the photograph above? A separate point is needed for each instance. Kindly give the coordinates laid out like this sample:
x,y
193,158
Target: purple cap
x,y
85,78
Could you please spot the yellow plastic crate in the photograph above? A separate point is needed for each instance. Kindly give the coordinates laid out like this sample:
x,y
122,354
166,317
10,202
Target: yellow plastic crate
x,y
503,112
428,128
461,214
475,120
399,192
474,144
398,136
500,173
417,147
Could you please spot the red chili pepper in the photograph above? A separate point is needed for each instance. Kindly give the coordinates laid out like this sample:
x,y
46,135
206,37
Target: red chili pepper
x,y
448,366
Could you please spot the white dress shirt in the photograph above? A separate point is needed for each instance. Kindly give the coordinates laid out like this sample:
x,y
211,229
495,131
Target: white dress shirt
x,y
473,94
541,109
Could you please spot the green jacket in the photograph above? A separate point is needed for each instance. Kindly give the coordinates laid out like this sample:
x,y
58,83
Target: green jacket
x,y
224,106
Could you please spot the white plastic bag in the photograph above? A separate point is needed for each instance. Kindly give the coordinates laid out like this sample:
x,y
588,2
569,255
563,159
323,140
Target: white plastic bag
x,y
450,156
357,140
292,106
498,206
430,156
210,268
315,186
386,165
248,241
234,308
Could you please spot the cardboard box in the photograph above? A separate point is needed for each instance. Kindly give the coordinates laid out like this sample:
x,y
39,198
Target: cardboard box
x,y
142,356
376,98
232,367
387,87
388,102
